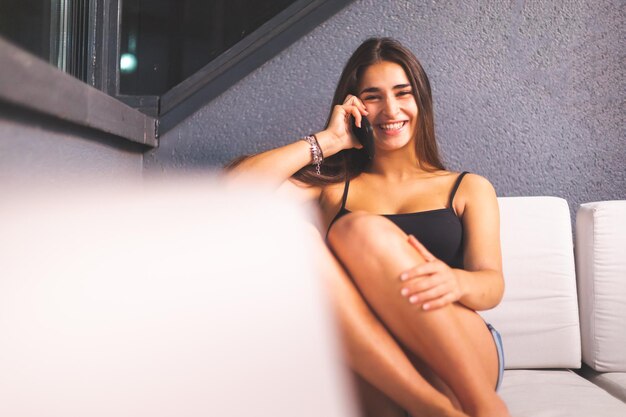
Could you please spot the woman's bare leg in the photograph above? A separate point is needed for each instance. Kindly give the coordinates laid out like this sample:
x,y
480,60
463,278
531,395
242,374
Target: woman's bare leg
x,y
453,341
434,380
371,351
374,402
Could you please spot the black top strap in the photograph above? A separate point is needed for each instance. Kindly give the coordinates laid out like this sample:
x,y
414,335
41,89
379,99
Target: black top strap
x,y
456,186
345,194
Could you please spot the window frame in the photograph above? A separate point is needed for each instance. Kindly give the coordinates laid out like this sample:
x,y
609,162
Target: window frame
x,y
72,99
97,103
26,80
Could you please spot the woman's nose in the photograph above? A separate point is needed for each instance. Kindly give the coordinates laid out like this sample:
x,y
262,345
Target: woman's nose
x,y
391,107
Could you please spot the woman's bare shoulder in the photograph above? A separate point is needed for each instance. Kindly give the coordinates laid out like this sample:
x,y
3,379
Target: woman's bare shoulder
x,y
477,185
474,190
332,194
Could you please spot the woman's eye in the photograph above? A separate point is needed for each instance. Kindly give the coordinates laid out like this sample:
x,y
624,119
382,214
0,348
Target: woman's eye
x,y
370,98
405,93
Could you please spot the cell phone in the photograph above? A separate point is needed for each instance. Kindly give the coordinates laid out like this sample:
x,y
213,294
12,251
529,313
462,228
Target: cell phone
x,y
365,135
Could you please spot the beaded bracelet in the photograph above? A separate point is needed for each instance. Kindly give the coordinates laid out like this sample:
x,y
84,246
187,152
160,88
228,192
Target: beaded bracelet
x,y
316,152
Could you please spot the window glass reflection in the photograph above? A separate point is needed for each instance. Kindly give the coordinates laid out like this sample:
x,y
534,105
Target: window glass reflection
x,y
165,41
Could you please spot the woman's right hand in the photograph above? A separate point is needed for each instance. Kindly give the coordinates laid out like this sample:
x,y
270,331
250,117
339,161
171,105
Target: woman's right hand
x,y
339,128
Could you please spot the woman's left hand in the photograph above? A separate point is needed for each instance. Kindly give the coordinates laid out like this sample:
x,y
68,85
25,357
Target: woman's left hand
x,y
432,284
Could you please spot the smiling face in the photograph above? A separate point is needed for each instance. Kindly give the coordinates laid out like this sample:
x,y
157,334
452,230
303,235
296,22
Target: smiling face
x,y
387,94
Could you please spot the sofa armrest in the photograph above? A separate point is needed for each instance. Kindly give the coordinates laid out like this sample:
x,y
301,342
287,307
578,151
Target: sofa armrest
x,y
601,275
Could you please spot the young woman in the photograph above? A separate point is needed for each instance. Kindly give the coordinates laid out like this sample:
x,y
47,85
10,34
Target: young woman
x,y
409,250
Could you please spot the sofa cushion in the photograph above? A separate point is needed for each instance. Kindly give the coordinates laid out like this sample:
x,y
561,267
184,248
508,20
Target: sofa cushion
x,y
612,382
601,269
556,393
538,316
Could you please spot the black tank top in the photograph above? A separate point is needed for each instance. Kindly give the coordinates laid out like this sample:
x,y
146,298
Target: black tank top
x,y
439,230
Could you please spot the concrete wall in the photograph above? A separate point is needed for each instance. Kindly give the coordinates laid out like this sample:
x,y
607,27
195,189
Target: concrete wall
x,y
529,94
40,150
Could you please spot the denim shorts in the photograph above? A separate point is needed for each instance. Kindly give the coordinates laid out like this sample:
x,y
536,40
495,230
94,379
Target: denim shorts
x,y
498,341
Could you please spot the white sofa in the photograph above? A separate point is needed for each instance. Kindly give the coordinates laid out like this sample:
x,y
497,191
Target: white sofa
x,y
190,299
543,318
601,267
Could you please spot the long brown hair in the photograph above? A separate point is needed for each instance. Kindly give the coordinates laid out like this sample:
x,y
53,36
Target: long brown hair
x,y
350,163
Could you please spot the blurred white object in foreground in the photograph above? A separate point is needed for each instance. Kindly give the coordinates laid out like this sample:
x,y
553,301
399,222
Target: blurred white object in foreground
x,y
183,299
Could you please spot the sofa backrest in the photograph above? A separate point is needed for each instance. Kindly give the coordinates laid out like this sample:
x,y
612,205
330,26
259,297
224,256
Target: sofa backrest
x,y
538,316
601,272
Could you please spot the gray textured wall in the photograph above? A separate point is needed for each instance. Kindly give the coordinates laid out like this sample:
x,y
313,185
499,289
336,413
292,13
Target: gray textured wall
x,y
529,94
40,150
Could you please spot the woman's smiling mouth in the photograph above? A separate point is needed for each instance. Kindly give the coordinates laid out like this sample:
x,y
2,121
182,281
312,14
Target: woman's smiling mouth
x,y
392,128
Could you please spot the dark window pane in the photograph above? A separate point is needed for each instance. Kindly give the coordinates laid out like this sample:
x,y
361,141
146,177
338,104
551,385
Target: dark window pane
x,y
26,23
165,41
54,30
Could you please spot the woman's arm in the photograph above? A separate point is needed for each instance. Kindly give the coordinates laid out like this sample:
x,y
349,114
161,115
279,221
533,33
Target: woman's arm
x,y
480,285
278,165
481,279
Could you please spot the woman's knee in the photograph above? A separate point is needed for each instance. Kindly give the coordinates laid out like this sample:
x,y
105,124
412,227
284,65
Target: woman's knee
x,y
370,246
362,229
